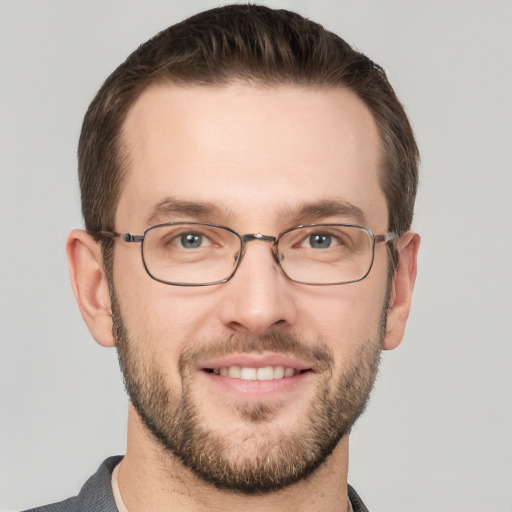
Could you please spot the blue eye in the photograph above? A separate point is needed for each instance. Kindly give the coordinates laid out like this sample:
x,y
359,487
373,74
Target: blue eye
x,y
320,241
191,240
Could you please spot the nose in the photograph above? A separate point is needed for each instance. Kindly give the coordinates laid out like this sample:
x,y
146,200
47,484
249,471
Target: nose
x,y
259,297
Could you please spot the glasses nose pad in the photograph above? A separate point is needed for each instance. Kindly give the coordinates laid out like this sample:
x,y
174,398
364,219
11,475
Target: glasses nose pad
x,y
278,257
237,257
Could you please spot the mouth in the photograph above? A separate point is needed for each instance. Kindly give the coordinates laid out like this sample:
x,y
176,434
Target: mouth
x,y
256,375
260,373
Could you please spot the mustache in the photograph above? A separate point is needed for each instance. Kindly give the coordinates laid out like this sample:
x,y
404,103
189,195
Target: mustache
x,y
278,342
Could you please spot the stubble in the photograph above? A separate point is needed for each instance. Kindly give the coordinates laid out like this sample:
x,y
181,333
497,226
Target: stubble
x,y
268,459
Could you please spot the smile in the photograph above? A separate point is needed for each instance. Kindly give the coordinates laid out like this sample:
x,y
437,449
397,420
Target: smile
x,y
251,373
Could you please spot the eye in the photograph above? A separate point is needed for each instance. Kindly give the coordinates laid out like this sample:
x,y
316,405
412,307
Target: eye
x,y
320,241
186,238
191,240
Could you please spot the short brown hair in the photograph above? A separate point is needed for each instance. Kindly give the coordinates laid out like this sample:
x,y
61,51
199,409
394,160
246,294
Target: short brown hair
x,y
249,43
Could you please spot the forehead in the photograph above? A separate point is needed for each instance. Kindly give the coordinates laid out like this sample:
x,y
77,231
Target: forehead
x,y
250,151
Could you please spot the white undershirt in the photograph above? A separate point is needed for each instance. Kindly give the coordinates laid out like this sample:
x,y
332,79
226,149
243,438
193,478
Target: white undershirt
x,y
119,500
117,493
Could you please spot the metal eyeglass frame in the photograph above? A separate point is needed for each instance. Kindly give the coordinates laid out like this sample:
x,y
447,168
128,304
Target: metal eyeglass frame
x,y
249,237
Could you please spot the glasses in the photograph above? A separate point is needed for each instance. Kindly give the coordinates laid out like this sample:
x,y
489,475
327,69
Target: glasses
x,y
202,254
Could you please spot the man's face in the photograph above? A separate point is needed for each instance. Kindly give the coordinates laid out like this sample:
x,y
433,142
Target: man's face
x,y
258,160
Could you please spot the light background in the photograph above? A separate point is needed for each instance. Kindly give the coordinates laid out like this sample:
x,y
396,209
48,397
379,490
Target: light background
x,y
437,435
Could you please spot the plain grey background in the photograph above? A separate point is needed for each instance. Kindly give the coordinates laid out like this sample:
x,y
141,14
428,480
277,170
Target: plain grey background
x,y
437,434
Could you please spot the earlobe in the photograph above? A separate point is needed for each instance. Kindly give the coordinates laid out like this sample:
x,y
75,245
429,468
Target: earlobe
x,y
402,288
90,285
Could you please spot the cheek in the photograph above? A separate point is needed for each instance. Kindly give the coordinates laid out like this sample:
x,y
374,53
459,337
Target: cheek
x,y
164,318
346,316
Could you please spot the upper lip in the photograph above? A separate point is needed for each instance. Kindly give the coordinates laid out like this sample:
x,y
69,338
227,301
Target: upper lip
x,y
256,361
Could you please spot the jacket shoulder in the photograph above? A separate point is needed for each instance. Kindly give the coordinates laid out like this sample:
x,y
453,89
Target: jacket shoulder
x,y
95,496
68,505
357,502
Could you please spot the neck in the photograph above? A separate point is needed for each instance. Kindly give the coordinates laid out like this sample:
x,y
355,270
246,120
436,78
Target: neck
x,y
152,479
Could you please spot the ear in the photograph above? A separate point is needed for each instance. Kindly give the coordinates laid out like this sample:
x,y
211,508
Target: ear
x,y
90,285
402,287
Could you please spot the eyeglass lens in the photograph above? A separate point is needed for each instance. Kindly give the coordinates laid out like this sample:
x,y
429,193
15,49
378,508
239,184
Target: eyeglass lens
x,y
195,254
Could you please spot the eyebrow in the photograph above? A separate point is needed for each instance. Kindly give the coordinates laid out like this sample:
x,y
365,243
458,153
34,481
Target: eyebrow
x,y
320,210
304,213
171,206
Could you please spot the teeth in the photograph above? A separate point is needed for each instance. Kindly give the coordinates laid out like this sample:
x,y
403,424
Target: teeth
x,y
249,373
235,372
266,373
288,372
278,372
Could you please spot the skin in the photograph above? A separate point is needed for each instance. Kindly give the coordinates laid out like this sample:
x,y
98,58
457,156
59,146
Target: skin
x,y
256,154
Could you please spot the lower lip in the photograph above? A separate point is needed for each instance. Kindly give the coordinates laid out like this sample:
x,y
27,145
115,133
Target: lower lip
x,y
257,388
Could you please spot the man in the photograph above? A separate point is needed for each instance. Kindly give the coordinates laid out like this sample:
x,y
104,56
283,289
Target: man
x,y
248,183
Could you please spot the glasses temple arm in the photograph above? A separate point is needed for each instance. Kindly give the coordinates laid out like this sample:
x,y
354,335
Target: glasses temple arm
x,y
388,237
125,237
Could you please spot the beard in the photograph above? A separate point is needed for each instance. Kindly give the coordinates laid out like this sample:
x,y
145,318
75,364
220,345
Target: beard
x,y
265,458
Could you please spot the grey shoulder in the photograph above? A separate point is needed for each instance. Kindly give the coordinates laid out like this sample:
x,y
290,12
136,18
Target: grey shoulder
x,y
357,502
95,496
69,505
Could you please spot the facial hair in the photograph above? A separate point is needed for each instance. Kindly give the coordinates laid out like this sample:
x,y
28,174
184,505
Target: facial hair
x,y
268,459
